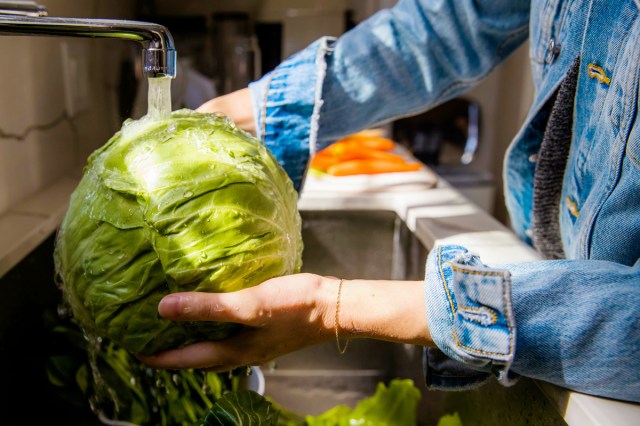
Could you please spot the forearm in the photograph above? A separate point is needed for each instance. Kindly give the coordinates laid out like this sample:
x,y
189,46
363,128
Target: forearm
x,y
288,313
383,310
400,62
407,59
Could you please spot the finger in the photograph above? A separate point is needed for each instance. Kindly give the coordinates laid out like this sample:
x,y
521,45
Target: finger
x,y
203,355
239,307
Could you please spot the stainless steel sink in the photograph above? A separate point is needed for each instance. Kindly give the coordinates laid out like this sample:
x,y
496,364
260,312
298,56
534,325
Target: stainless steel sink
x,y
378,245
350,244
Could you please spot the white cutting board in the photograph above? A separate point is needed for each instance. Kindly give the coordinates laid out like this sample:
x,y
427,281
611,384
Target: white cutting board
x,y
381,182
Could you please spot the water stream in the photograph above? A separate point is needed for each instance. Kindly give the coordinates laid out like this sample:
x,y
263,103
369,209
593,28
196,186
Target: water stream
x,y
159,98
113,369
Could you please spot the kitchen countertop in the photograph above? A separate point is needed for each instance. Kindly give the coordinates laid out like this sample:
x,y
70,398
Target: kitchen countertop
x,y
431,208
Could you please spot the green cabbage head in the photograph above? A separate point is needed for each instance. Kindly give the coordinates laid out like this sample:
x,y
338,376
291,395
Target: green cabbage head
x,y
186,203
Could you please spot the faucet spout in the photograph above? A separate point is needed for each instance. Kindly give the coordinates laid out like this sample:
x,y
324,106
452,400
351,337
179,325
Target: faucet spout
x,y
159,54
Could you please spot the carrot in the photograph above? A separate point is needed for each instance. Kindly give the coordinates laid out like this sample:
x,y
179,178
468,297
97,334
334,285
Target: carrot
x,y
323,161
357,167
360,146
347,149
372,154
373,142
341,150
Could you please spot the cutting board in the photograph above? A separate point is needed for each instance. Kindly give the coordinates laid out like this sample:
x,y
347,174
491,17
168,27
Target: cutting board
x,y
383,182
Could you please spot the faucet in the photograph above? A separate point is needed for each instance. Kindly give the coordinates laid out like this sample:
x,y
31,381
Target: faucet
x,y
30,18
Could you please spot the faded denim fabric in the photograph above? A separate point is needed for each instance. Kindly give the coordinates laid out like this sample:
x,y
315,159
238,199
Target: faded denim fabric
x,y
475,326
574,322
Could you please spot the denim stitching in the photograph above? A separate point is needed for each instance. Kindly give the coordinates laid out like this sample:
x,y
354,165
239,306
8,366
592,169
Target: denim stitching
x,y
324,49
634,64
444,281
509,327
482,313
614,175
471,270
453,310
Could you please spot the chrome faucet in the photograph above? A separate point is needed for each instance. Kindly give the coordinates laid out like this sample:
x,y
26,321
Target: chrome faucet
x,y
30,18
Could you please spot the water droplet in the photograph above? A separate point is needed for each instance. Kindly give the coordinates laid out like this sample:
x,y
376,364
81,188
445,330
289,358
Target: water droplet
x,y
175,378
63,311
188,194
203,255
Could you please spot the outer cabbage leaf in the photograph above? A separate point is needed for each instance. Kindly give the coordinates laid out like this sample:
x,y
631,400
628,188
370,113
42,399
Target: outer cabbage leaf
x,y
241,408
187,203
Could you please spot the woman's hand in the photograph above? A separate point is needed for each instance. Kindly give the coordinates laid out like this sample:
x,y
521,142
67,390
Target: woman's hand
x,y
237,106
289,313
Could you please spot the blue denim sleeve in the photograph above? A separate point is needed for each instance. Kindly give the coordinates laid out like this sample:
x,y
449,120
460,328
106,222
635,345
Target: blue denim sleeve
x,y
573,323
470,318
401,61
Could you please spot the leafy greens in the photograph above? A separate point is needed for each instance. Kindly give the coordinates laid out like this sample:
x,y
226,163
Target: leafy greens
x,y
186,203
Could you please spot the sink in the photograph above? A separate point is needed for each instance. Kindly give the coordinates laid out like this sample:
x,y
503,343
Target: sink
x,y
349,244
378,245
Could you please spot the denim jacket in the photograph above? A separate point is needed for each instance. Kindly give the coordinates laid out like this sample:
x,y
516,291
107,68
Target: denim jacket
x,y
572,322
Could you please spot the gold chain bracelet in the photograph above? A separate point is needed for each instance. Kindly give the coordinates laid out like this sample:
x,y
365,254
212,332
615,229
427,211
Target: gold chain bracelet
x,y
341,349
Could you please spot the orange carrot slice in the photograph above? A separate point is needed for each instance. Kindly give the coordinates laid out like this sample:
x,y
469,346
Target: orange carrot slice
x,y
358,167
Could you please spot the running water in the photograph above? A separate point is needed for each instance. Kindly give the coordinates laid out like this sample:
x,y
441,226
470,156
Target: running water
x,y
159,98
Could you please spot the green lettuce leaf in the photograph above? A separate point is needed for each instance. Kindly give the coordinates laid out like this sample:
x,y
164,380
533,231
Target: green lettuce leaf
x,y
395,405
450,420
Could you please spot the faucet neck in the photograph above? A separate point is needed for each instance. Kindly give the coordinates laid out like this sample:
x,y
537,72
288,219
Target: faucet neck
x,y
159,53
22,8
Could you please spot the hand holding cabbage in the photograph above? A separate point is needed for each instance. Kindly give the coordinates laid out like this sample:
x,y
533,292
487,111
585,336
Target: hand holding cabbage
x,y
188,203
291,312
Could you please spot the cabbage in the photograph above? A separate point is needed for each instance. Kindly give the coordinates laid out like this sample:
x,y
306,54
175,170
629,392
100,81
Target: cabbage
x,y
186,203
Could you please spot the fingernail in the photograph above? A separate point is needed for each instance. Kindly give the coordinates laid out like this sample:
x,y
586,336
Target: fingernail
x,y
170,305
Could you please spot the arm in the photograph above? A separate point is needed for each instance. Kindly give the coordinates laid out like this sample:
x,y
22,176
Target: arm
x,y
399,62
288,313
237,106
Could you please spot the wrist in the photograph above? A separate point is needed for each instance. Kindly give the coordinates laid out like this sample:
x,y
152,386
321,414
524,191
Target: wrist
x,y
384,310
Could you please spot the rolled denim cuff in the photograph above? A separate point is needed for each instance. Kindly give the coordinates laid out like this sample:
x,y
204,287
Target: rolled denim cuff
x,y
287,103
471,320
444,373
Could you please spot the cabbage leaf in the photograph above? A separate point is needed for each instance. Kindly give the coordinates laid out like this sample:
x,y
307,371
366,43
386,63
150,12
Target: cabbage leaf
x,y
186,203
